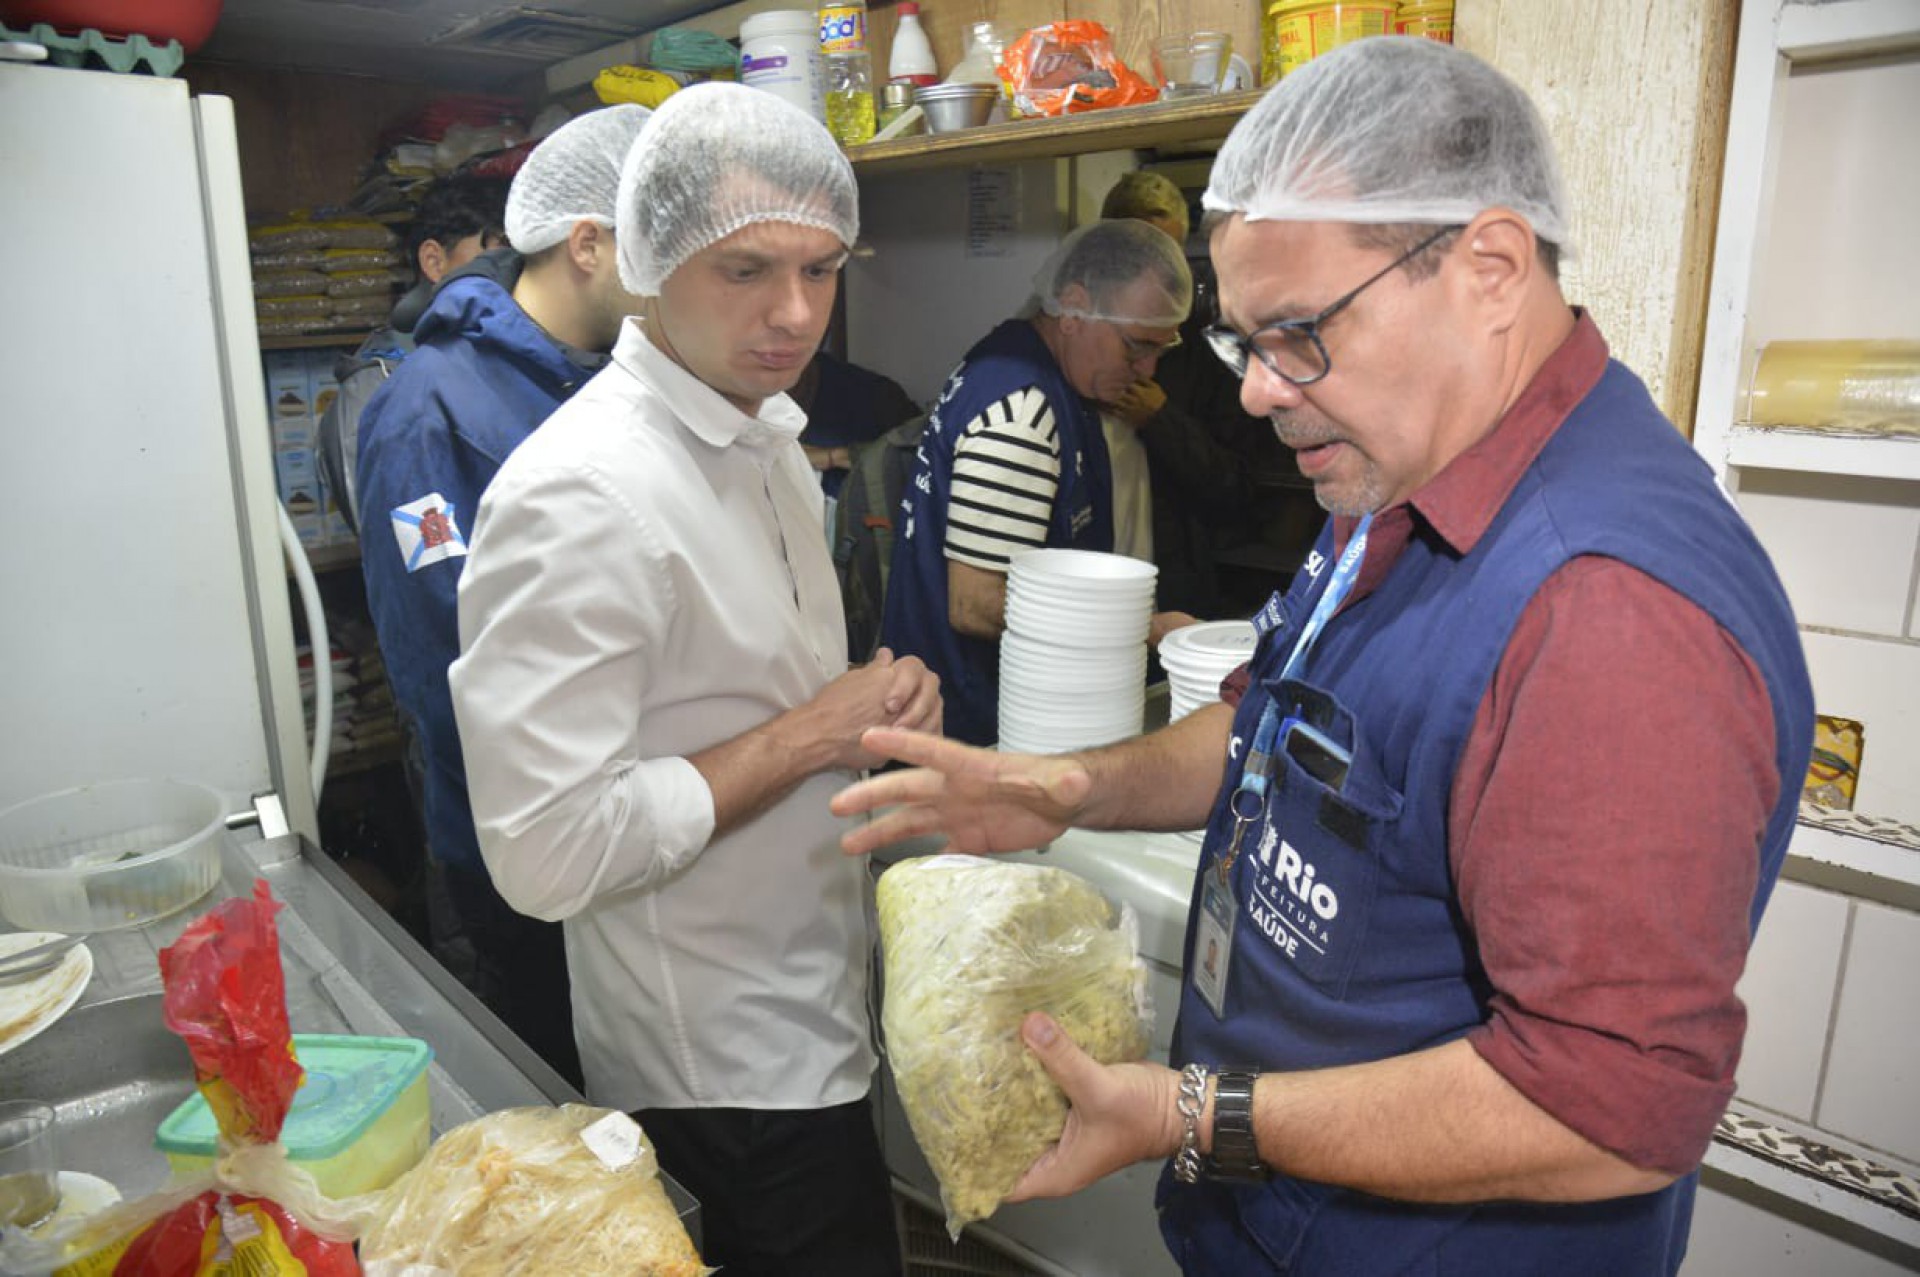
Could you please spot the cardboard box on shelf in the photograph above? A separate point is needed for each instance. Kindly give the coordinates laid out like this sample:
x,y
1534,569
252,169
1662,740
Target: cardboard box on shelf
x,y
289,387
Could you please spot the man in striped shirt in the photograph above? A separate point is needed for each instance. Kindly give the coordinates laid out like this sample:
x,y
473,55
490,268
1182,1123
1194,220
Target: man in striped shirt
x,y
1013,458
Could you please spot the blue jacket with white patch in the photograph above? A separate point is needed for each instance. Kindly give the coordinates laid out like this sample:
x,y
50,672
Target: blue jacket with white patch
x,y
482,376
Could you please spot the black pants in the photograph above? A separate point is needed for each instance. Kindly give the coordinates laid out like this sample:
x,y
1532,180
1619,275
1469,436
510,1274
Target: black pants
x,y
783,1193
515,964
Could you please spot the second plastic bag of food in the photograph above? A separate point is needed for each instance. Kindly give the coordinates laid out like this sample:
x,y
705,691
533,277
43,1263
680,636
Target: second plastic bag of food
x,y
971,946
573,1189
1067,67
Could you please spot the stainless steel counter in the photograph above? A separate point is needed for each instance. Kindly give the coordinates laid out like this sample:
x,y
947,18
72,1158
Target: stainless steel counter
x,y
113,1071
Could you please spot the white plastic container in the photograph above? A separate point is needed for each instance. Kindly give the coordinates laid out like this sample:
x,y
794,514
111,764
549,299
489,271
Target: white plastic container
x,y
780,53
110,855
911,57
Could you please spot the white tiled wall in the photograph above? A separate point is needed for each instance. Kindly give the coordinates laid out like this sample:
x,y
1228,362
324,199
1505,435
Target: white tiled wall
x,y
1872,1090
1733,1237
1793,975
1844,547
1843,255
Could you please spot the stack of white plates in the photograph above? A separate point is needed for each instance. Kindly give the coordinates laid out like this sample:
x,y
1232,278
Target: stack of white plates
x,y
1073,660
1198,657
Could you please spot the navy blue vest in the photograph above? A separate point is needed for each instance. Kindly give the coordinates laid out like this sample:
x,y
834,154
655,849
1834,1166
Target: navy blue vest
x,y
1010,358
1348,946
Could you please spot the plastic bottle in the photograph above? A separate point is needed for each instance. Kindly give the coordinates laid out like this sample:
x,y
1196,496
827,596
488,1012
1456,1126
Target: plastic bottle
x,y
780,52
911,58
849,67
980,64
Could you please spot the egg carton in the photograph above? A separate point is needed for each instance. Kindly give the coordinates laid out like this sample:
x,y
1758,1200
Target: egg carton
x,y
92,51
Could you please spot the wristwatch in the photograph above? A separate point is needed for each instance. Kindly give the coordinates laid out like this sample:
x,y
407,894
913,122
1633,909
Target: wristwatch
x,y
1236,1155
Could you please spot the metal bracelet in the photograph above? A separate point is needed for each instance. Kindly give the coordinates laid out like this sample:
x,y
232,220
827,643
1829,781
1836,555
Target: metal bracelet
x,y
1192,1102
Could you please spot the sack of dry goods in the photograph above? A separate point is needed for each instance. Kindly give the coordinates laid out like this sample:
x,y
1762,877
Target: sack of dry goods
x,y
573,1189
971,946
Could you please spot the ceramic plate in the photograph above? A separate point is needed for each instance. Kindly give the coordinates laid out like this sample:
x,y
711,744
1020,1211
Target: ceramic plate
x,y
29,1006
81,1195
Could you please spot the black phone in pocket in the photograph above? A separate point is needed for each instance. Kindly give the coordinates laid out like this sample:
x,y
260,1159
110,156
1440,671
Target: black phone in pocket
x,y
1316,753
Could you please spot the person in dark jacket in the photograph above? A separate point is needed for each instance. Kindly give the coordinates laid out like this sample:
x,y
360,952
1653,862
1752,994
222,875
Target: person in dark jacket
x,y
505,341
846,406
459,218
1198,445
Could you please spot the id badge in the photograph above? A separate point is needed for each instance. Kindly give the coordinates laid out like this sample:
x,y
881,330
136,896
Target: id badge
x,y
1213,940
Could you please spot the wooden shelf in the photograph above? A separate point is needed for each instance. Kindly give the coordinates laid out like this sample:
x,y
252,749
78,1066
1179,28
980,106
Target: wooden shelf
x,y
314,340
1155,124
1824,452
1873,858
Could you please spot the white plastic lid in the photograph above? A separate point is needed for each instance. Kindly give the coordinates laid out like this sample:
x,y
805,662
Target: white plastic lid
x,y
777,21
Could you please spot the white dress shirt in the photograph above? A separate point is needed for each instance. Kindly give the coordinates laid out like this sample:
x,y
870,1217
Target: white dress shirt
x,y
647,579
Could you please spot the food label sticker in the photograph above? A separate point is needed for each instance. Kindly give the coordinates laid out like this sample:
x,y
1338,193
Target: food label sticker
x,y
616,1140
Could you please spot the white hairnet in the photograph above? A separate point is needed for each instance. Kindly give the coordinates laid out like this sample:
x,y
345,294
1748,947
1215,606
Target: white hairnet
x,y
717,157
1106,259
1391,129
572,176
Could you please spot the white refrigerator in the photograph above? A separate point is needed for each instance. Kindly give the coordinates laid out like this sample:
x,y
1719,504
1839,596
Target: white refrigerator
x,y
147,626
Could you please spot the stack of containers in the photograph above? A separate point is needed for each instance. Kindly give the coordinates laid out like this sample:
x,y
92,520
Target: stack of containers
x,y
1073,660
1198,657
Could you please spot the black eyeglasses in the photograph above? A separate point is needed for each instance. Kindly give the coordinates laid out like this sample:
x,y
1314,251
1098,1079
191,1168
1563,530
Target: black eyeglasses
x,y
1292,349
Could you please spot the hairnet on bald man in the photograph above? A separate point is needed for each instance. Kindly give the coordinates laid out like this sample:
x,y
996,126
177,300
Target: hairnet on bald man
x,y
1106,259
1388,130
572,176
717,157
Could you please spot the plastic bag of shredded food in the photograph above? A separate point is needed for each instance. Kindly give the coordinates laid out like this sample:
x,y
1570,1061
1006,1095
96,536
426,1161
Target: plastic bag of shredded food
x,y
971,946
573,1189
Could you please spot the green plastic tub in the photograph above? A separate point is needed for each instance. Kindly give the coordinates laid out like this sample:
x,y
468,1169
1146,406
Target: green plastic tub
x,y
359,1121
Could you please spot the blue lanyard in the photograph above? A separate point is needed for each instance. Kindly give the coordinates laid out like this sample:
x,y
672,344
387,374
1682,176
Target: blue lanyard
x,y
1250,798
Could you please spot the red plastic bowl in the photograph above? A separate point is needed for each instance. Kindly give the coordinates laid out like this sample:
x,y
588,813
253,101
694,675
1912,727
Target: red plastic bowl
x,y
188,21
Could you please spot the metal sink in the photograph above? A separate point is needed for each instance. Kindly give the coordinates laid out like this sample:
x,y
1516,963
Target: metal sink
x,y
113,1071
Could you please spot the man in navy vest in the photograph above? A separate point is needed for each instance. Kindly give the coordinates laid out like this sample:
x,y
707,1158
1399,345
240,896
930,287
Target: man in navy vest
x,y
1495,810
1013,458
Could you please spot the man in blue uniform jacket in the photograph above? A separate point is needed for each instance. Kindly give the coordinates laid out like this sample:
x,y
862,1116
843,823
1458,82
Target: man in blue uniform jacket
x,y
506,340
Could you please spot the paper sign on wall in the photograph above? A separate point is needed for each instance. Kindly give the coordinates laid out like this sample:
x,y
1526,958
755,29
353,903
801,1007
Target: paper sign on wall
x,y
993,211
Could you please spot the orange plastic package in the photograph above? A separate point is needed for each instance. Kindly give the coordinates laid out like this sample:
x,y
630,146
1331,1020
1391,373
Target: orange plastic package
x,y
257,1214
1067,67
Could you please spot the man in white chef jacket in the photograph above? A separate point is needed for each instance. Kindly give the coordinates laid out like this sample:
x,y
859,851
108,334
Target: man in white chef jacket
x,y
655,704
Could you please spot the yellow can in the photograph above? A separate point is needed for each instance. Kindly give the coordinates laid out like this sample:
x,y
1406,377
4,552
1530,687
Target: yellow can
x,y
1432,19
1298,31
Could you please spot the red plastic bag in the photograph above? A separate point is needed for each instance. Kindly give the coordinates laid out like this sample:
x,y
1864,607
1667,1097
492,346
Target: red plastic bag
x,y
226,995
1067,67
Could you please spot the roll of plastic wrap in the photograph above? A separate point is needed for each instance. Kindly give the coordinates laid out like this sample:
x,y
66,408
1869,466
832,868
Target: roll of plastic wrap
x,y
1867,387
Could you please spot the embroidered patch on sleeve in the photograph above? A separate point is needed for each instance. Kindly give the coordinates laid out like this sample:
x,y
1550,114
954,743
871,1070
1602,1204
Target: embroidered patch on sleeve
x,y
427,532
